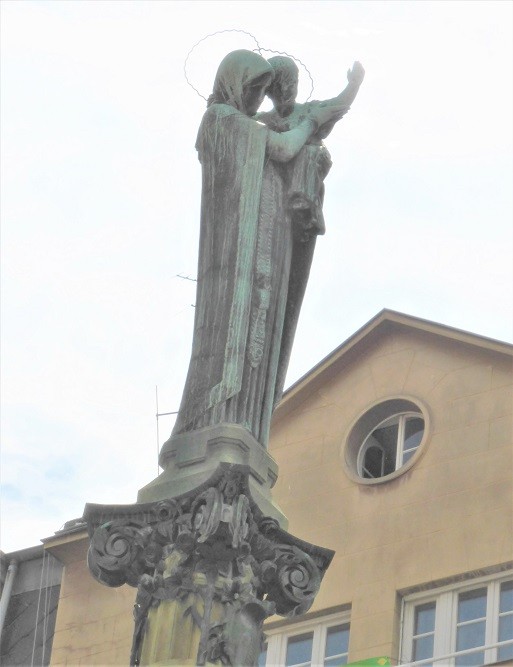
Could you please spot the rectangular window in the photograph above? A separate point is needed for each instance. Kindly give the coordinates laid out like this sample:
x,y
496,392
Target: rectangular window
x,y
506,620
320,643
299,650
424,631
461,626
337,645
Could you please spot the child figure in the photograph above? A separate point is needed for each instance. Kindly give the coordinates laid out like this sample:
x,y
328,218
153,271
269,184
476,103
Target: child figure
x,y
305,177
304,180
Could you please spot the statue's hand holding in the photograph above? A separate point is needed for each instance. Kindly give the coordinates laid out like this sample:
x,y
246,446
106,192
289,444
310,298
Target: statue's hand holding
x,y
356,74
327,113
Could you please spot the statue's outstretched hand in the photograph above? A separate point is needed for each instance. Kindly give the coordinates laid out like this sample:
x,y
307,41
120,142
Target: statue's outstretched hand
x,y
356,74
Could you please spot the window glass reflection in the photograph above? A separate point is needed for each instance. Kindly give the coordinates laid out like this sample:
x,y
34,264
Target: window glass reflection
x,y
472,605
423,647
413,432
470,660
471,635
506,603
337,640
299,650
425,618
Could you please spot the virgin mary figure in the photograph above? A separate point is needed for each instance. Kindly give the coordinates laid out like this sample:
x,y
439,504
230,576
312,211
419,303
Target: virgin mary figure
x,y
245,254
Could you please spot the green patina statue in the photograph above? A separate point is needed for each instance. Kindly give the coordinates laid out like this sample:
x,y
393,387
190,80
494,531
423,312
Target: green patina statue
x,y
261,211
205,545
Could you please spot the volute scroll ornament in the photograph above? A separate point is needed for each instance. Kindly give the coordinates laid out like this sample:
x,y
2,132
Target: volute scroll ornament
x,y
213,554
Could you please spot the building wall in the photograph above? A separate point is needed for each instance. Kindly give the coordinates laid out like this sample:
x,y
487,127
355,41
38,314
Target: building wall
x,y
94,623
450,514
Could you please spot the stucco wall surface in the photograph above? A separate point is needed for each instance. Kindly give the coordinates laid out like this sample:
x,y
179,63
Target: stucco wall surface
x,y
450,514
94,623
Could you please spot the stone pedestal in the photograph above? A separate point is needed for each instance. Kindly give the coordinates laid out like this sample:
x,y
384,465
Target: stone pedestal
x,y
190,459
208,562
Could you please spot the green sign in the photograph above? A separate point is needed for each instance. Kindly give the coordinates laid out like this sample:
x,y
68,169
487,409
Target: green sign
x,y
371,662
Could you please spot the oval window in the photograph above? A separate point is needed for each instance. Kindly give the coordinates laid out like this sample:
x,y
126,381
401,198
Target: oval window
x,y
389,446
384,440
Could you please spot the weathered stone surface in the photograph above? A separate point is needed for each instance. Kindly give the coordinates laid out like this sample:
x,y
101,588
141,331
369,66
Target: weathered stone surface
x,y
190,459
213,552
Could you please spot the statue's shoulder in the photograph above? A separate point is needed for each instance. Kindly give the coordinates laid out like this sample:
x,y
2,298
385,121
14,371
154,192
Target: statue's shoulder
x,y
220,111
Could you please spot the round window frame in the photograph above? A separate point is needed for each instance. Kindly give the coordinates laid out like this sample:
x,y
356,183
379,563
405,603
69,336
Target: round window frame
x,y
367,420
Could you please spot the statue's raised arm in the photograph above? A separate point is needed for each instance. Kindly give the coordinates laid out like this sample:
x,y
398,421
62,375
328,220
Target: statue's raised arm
x,y
343,101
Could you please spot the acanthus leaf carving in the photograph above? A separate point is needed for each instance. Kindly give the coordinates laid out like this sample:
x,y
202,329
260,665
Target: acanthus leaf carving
x,y
205,550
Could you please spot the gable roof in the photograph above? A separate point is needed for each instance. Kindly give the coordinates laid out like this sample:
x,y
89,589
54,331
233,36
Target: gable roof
x,y
385,322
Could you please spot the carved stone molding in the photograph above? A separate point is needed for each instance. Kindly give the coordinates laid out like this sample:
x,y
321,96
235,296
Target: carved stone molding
x,y
213,552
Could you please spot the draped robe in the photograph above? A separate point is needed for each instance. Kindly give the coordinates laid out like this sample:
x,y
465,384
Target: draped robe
x,y
303,184
253,264
243,277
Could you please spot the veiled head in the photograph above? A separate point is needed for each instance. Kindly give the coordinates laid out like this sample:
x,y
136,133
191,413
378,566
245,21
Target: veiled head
x,y
241,81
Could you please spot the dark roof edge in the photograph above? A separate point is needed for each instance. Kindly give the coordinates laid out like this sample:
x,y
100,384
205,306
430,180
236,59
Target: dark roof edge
x,y
22,555
394,316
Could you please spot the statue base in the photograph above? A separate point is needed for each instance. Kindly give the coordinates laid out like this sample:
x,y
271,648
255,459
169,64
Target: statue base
x,y
189,459
209,567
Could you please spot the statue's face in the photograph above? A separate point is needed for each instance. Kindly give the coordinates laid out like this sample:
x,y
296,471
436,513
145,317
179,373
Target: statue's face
x,y
254,94
284,92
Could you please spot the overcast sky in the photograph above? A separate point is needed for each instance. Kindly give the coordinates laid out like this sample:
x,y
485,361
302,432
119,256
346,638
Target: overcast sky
x,y
100,211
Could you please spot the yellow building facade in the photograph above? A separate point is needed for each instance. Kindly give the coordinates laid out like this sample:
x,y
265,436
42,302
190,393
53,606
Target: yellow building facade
x,y
396,451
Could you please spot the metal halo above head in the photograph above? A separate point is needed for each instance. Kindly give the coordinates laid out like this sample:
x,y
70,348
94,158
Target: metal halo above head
x,y
258,48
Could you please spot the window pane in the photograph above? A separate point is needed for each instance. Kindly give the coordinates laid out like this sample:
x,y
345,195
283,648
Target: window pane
x,y
424,618
299,649
472,605
506,596
471,660
386,436
335,662
374,462
505,627
423,647
337,640
413,432
505,653
407,455
262,658
470,635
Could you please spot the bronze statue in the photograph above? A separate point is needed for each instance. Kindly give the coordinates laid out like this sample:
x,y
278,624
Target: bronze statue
x,y
242,332
205,545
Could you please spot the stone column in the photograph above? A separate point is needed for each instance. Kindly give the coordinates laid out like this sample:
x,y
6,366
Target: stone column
x,y
207,554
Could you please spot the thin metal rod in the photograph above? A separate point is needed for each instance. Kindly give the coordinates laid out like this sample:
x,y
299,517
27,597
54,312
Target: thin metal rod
x,y
160,414
157,417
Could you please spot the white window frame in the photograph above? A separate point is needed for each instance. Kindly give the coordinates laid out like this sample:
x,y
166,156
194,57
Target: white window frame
x,y
446,598
401,417
277,638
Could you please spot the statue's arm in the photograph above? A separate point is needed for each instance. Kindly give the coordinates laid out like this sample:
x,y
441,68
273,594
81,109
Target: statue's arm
x,y
283,146
347,96
343,101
